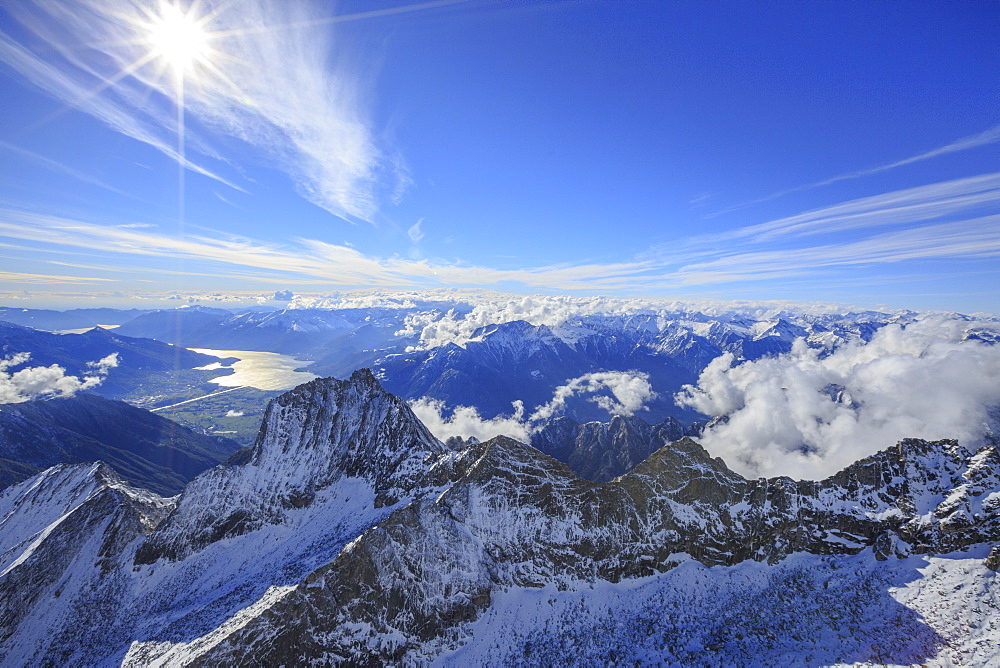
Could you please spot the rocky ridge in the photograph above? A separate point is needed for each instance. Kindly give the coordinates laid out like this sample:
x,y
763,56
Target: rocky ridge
x,y
349,534
518,519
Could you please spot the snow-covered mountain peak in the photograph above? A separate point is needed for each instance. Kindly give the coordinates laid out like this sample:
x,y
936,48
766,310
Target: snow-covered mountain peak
x,y
79,514
328,427
516,335
42,502
313,320
313,436
779,327
517,521
940,492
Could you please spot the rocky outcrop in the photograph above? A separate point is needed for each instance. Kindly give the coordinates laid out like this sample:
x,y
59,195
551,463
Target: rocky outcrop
x,y
311,437
65,528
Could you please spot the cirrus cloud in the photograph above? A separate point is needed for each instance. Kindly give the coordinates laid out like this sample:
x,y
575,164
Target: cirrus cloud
x,y
276,77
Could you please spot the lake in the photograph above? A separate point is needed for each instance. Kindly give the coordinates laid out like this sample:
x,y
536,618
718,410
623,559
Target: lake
x,y
264,371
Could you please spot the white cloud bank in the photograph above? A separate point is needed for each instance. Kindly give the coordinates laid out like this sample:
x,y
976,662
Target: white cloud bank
x,y
629,391
471,311
466,422
47,381
438,329
808,416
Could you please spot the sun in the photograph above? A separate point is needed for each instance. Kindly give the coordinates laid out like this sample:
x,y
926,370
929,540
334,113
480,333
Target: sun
x,y
178,38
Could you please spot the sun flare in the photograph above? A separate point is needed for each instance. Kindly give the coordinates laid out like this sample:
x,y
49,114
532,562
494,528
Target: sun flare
x,y
178,38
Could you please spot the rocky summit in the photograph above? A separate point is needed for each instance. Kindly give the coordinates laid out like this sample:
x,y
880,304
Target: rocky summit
x,y
350,535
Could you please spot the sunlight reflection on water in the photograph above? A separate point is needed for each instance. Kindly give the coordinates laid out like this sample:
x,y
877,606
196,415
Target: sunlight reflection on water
x,y
264,371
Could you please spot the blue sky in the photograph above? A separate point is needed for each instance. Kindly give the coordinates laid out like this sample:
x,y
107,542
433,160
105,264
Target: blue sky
x,y
845,152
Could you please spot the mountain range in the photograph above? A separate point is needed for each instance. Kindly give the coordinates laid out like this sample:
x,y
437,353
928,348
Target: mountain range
x,y
602,451
424,350
78,318
349,534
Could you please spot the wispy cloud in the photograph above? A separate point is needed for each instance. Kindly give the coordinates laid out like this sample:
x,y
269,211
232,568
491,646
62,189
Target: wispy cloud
x,y
938,221
317,260
899,207
47,279
277,78
416,233
852,233
78,86
970,239
990,136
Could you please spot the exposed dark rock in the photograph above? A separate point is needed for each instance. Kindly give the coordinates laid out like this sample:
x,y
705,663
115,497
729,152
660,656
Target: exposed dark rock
x,y
516,507
993,560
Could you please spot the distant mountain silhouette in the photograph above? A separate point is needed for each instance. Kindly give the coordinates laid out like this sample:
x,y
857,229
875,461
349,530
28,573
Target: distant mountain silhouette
x,y
76,318
145,449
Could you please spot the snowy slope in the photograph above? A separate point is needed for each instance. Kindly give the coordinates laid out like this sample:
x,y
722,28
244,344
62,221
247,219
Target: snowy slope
x,y
65,534
518,521
328,460
807,610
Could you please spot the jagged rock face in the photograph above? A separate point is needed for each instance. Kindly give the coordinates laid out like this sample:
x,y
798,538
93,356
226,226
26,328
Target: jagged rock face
x,y
332,459
351,535
65,529
310,438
